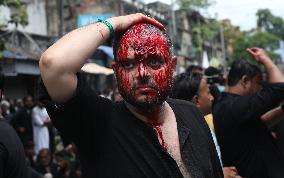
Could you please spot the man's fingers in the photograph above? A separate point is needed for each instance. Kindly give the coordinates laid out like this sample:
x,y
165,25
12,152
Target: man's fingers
x,y
122,23
232,168
156,23
139,17
250,51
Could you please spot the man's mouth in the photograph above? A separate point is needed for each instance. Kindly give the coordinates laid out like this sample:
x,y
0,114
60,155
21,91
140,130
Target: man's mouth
x,y
145,89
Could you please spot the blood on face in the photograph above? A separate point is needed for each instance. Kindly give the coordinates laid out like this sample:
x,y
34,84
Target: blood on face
x,y
143,65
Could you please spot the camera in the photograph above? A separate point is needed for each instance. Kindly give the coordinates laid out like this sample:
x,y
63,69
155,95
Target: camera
x,y
213,79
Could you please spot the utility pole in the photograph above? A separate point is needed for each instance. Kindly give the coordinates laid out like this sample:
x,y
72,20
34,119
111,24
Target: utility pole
x,y
120,7
61,17
174,30
222,43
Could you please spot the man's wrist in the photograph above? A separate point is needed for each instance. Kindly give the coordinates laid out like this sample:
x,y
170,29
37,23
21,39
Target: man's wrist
x,y
266,58
109,26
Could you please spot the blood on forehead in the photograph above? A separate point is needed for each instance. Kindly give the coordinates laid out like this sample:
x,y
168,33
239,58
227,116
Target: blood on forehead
x,y
141,41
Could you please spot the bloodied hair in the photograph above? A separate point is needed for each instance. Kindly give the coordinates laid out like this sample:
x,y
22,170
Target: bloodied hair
x,y
143,29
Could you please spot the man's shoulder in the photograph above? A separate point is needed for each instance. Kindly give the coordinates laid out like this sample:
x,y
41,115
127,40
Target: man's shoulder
x,y
7,132
188,115
225,99
229,108
181,103
5,127
185,109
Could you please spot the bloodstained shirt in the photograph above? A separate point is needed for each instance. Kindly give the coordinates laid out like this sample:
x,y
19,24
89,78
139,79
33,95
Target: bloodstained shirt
x,y
112,142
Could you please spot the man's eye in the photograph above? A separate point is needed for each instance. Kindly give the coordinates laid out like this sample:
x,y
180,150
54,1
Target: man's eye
x,y
128,65
155,62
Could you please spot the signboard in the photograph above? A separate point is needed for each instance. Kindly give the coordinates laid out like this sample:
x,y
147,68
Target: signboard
x,y
85,19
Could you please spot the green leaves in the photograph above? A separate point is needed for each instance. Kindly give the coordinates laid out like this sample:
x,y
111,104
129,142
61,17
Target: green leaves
x,y
254,38
268,22
269,33
204,32
193,4
18,13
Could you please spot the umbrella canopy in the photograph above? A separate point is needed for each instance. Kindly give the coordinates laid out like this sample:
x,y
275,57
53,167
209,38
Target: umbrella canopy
x,y
96,69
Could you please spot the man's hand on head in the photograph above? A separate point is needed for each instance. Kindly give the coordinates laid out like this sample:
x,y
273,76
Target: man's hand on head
x,y
122,23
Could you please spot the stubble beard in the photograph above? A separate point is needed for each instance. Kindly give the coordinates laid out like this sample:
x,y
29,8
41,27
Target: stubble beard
x,y
147,105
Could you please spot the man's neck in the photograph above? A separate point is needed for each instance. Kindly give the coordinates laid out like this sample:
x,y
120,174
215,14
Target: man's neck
x,y
155,114
235,90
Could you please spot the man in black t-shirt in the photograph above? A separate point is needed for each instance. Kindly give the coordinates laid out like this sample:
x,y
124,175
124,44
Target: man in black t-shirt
x,y
243,137
146,134
194,87
22,121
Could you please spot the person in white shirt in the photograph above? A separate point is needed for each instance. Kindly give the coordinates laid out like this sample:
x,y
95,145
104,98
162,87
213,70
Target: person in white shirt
x,y
40,120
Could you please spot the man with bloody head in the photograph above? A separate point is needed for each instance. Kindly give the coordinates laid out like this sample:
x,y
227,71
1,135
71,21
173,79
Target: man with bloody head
x,y
145,135
144,66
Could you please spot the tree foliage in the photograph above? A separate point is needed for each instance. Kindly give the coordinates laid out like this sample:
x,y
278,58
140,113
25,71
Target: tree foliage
x,y
18,13
193,4
267,35
267,22
18,16
253,38
204,32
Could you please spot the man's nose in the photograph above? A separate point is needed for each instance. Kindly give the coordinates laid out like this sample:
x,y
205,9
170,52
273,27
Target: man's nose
x,y
142,70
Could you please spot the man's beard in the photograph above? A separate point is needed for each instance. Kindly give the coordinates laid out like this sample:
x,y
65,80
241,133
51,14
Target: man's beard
x,y
145,104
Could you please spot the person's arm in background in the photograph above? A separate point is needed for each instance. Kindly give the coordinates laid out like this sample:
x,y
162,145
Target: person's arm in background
x,y
273,116
60,62
274,74
36,120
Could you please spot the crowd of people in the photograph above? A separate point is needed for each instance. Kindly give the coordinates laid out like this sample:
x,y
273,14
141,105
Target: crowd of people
x,y
201,123
47,153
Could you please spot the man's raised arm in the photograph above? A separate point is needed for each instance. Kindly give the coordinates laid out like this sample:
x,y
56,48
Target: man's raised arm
x,y
274,74
60,62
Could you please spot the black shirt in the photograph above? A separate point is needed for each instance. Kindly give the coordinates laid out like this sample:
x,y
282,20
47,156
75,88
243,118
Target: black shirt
x,y
112,142
244,140
23,118
12,156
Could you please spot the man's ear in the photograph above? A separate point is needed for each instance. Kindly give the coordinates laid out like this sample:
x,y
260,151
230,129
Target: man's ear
x,y
174,63
195,100
244,81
